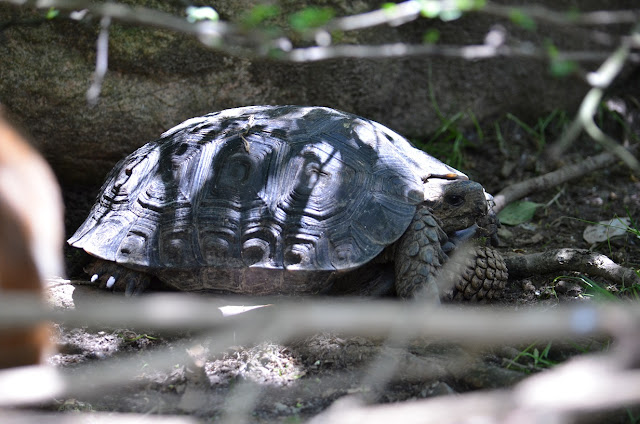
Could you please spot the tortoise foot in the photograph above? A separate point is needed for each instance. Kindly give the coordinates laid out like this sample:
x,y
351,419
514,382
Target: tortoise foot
x,y
111,276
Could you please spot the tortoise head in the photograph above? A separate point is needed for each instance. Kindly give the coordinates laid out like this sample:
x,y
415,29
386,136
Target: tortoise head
x,y
458,202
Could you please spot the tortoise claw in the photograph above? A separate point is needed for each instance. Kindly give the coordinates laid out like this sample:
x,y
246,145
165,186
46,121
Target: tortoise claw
x,y
110,282
136,284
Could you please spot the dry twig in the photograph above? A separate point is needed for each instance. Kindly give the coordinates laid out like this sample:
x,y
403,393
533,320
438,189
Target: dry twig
x,y
544,182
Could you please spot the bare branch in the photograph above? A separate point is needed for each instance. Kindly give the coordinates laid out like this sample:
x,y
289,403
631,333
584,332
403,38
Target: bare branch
x,y
135,15
600,17
231,39
600,80
399,13
102,60
410,10
571,260
480,51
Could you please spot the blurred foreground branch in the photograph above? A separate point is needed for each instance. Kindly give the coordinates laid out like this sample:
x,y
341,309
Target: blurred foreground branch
x,y
93,417
600,81
238,40
275,42
288,320
580,385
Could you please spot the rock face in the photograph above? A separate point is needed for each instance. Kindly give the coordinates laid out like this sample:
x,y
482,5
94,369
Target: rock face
x,y
159,78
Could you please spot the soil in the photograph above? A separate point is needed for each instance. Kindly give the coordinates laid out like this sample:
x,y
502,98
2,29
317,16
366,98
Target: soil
x,y
289,383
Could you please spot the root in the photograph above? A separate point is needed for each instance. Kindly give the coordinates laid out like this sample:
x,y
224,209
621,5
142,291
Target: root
x,y
570,260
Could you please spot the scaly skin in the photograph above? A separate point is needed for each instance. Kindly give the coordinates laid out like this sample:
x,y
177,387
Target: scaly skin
x,y
419,255
479,273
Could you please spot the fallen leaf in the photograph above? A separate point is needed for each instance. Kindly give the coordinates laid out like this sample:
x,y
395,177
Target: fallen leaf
x,y
518,212
604,230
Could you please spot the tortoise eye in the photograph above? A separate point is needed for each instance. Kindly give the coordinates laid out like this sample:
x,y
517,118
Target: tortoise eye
x,y
454,199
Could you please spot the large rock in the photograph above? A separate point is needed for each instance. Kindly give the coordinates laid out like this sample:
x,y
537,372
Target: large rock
x,y
158,78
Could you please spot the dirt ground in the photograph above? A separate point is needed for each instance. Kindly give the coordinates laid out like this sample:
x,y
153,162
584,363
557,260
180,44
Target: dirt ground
x,y
292,383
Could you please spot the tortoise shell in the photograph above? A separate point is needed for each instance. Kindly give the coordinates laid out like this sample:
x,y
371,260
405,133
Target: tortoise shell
x,y
274,187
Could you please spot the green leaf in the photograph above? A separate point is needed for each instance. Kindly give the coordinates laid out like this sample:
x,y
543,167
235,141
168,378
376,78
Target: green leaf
x,y
466,5
390,8
518,212
562,68
552,50
431,36
311,17
518,17
195,14
260,13
573,14
430,9
52,13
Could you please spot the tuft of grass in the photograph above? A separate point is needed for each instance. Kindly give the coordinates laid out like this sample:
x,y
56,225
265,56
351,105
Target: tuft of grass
x,y
135,337
632,291
607,112
546,124
450,139
448,142
592,288
633,227
633,418
539,359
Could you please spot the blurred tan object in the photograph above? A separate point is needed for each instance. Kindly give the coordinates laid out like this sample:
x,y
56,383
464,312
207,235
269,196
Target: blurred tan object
x,y
31,238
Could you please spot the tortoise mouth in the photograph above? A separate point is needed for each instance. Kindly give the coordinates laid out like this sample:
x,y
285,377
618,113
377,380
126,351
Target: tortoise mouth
x,y
464,234
475,231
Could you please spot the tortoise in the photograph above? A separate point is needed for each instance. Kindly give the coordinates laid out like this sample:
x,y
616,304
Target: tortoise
x,y
288,200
